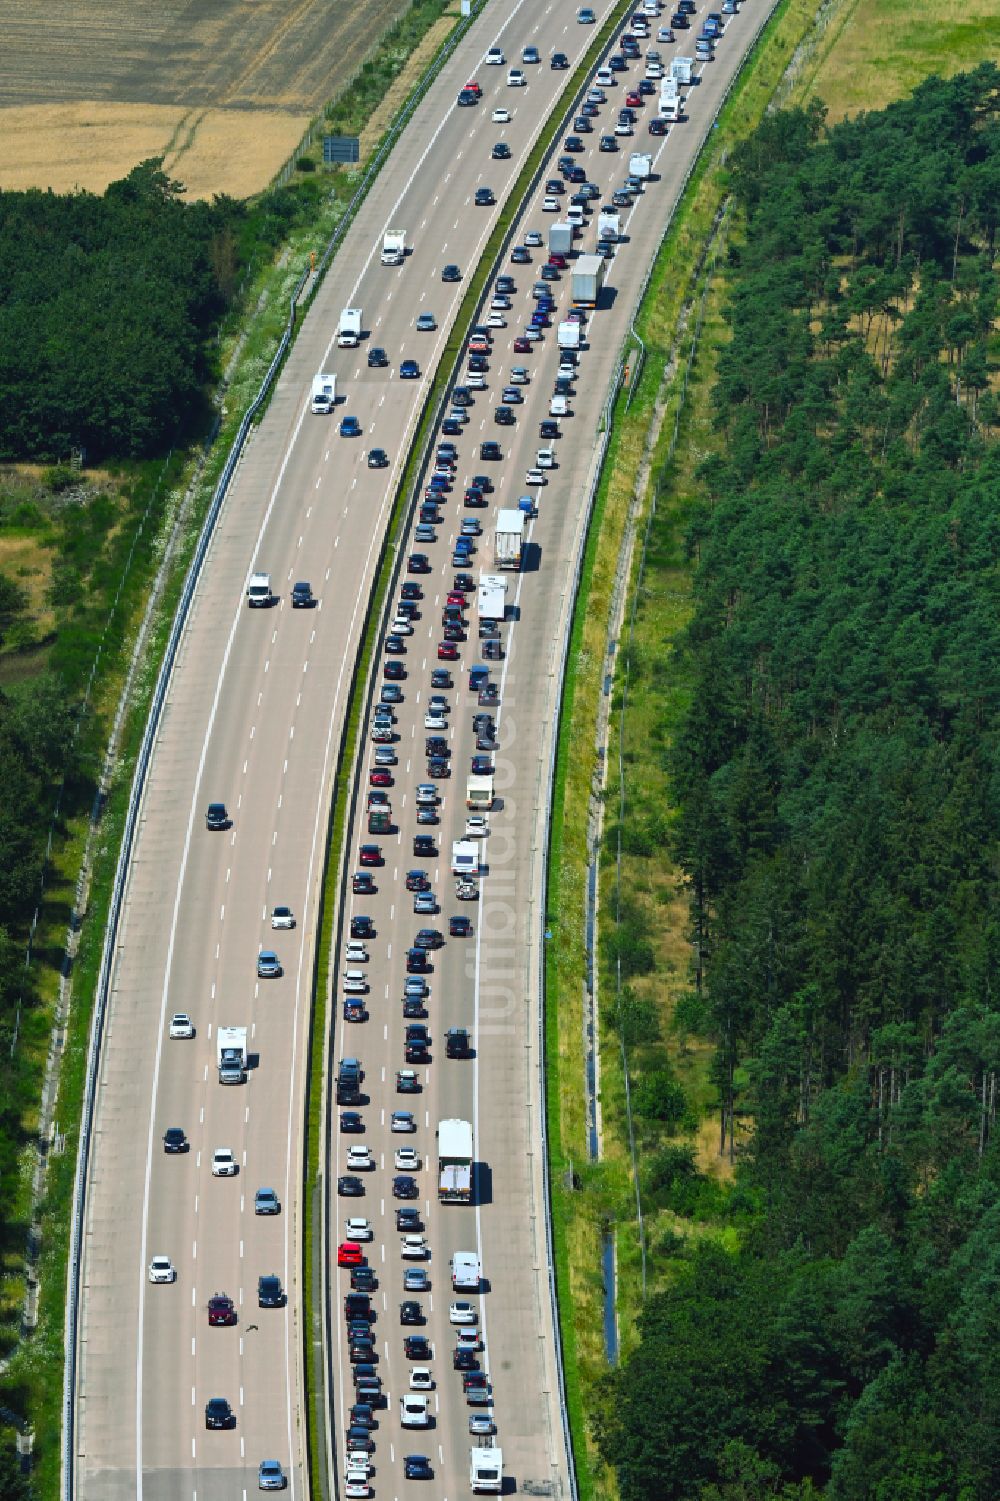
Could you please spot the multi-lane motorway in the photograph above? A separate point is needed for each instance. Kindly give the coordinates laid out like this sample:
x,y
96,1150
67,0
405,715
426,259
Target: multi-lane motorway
x,y
253,719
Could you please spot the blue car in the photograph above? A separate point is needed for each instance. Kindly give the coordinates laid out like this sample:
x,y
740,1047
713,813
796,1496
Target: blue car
x,y
409,370
350,427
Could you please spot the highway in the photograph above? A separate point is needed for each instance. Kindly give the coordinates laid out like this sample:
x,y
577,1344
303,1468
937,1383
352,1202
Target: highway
x,y
254,717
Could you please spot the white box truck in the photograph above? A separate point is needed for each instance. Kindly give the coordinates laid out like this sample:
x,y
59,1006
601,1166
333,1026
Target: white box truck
x,y
509,539
680,68
465,859
669,89
640,164
231,1053
479,794
324,391
349,333
455,1162
486,1470
568,335
586,281
560,239
609,225
466,1272
491,597
394,247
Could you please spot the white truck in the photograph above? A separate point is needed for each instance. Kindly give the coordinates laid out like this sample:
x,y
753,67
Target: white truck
x,y
259,591
509,539
479,794
324,391
560,239
231,1053
349,332
394,247
680,68
568,335
640,164
609,225
586,281
491,596
454,1162
669,90
466,1272
486,1470
465,859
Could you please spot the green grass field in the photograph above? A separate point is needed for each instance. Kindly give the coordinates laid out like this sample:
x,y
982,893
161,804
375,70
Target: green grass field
x,y
878,50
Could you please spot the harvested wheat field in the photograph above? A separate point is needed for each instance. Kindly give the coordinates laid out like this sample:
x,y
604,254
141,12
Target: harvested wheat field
x,y
223,89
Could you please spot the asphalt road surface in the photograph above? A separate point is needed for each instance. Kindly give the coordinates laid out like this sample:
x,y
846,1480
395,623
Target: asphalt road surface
x,y
253,718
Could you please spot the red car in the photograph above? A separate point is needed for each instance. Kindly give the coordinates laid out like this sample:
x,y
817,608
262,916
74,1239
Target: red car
x,y
557,260
221,1309
478,345
349,1254
474,88
447,651
379,777
522,346
633,101
456,597
370,854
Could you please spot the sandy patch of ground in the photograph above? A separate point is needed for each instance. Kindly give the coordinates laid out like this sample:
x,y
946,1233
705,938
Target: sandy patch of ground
x,y
379,122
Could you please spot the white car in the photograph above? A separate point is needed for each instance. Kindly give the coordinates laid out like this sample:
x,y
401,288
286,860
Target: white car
x,y
654,71
421,1379
546,458
462,1313
664,34
180,1025
435,722
550,205
161,1269
401,626
518,376
413,1247
500,303
500,117
558,407
402,1121
476,827
475,380
468,1339
413,1411
533,239
360,1460
496,320
223,1163
356,1486
495,57
407,1159
533,335
282,917
358,1229
534,477
515,78
360,1157
355,982
623,128
356,952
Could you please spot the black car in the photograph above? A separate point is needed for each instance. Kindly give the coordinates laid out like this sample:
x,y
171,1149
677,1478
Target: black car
x,y
417,1467
482,766
411,1312
461,396
411,591
405,1187
350,1187
395,645
351,1121
428,938
456,1042
413,1006
174,1140
377,458
394,672
216,817
573,143
506,284
563,387
417,1347
416,962
302,596
219,1414
377,358
358,1306
452,427
501,152
451,273
417,563
466,97
490,450
270,1293
363,1414
484,197
504,416
478,364
417,1033
617,63
441,677
459,927
438,768
548,429
362,927
408,1220
559,61
464,1360
423,844
474,498
363,1279
520,256
436,745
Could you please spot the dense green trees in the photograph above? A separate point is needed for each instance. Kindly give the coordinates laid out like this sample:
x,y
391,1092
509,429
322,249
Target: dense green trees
x,y
839,818
108,306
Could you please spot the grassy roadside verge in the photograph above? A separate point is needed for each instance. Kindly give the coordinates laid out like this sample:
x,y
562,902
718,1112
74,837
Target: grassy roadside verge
x,y
588,1198
316,1125
31,1384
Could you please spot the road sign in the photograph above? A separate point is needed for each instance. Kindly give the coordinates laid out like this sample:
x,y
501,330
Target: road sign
x,y
341,149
